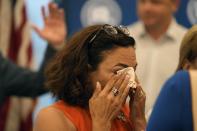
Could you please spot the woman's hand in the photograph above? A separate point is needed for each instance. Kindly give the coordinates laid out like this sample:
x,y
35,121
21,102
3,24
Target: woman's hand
x,y
55,30
137,108
106,102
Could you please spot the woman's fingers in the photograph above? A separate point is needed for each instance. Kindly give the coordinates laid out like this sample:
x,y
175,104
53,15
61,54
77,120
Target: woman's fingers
x,y
110,84
139,94
107,96
97,90
123,90
119,80
113,89
116,89
124,83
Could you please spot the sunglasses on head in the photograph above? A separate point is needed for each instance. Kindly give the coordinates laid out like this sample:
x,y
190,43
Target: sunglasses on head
x,y
111,31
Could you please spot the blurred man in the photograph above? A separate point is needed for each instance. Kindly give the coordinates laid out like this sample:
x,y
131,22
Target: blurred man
x,y
158,38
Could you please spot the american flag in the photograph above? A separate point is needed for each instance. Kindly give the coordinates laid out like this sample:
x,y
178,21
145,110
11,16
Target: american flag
x,y
15,44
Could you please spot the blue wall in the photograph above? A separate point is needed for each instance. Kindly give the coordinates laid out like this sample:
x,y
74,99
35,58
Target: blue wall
x,y
128,10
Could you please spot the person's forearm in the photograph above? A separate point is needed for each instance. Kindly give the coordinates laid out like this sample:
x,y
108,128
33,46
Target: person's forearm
x,y
138,118
139,125
23,82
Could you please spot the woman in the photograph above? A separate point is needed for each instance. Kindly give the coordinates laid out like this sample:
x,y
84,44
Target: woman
x,y
177,100
188,50
92,94
173,109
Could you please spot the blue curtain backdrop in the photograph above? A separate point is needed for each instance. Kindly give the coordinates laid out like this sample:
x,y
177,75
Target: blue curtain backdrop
x,y
74,9
185,9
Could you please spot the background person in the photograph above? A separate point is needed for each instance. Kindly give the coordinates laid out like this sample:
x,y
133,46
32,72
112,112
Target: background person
x,y
158,37
178,96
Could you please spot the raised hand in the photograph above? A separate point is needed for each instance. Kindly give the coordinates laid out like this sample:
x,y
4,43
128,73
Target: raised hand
x,y
55,30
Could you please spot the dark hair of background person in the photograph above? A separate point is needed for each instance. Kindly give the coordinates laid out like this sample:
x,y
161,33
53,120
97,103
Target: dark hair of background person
x,y
188,49
67,76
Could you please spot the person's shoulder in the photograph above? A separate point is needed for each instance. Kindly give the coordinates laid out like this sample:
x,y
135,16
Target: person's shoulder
x,y
136,29
177,81
52,119
180,75
181,29
49,111
136,25
175,87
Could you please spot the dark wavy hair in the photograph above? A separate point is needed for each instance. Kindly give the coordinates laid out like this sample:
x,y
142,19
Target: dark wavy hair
x,y
67,75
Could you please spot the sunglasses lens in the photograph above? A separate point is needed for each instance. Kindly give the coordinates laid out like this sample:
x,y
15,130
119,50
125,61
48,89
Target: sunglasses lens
x,y
110,30
124,29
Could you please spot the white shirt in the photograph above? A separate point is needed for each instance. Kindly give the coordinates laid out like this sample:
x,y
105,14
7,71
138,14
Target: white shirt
x,y
157,60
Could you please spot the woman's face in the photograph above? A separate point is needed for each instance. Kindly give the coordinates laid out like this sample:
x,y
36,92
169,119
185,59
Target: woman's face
x,y
117,59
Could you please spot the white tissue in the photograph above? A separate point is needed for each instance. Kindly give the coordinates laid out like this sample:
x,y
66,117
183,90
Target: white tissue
x,y
130,71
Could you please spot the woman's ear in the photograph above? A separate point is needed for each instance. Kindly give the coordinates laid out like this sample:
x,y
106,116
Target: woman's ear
x,y
90,67
186,65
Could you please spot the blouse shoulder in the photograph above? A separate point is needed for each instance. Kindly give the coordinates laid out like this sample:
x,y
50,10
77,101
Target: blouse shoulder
x,y
178,81
52,119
